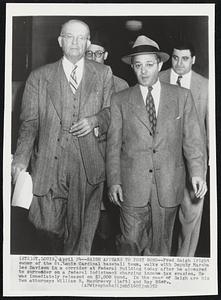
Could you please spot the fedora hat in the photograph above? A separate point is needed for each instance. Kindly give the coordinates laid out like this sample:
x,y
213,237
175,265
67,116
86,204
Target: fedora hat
x,y
144,45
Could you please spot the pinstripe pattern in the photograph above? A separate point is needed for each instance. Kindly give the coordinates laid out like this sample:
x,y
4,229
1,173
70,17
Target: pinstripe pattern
x,y
42,120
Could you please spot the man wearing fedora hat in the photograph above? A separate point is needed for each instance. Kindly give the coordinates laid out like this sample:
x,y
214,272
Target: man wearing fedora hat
x,y
153,129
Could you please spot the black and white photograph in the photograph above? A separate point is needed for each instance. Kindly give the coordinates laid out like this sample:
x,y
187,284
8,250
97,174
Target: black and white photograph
x,y
109,174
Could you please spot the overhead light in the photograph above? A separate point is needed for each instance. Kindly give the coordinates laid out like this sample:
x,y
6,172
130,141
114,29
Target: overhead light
x,y
133,25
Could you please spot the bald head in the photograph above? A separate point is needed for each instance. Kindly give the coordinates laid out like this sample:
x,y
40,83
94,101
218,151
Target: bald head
x,y
76,23
74,39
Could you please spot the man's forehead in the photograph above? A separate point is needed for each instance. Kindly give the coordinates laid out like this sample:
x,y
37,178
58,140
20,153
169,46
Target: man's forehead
x,y
184,52
96,47
73,27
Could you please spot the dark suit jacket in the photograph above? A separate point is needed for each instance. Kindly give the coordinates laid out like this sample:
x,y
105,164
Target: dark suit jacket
x,y
41,120
133,154
199,90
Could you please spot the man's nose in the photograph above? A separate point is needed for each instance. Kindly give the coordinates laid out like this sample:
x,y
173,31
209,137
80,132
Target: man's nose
x,y
74,40
179,61
143,69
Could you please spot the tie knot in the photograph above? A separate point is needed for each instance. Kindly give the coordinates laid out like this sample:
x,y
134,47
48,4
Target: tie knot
x,y
178,80
150,89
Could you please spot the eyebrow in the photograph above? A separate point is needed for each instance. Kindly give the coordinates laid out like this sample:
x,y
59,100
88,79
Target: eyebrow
x,y
174,55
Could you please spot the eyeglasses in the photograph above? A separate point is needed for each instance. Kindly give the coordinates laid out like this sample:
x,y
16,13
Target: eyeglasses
x,y
69,37
97,53
148,65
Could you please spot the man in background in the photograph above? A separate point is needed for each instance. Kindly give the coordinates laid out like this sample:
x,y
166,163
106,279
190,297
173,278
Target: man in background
x,y
62,104
98,51
181,74
108,225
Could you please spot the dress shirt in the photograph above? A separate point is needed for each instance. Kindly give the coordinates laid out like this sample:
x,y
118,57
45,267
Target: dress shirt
x,y
68,68
155,94
184,81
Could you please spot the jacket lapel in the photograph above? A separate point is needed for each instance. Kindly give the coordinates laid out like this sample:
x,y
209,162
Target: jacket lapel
x,y
87,84
55,87
138,107
168,107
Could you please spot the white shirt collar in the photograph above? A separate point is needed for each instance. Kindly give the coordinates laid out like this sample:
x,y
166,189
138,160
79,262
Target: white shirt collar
x,y
155,93
68,67
185,80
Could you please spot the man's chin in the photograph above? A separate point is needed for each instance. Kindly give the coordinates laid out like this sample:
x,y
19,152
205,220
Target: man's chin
x,y
180,71
145,83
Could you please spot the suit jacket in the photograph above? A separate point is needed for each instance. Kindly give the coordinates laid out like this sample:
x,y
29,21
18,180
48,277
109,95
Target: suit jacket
x,y
119,84
199,90
41,120
134,155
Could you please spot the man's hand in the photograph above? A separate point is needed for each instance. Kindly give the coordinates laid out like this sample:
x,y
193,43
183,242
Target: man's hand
x,y
199,187
15,170
83,126
115,194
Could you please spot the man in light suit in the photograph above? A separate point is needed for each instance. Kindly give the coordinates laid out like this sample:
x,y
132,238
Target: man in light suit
x,y
181,73
154,127
62,104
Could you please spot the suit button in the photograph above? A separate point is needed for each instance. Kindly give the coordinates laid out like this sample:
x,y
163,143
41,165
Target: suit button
x,y
150,171
55,157
58,140
154,151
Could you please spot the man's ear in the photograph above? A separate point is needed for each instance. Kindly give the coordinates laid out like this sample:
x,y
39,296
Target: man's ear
x,y
59,41
88,43
160,65
105,55
193,60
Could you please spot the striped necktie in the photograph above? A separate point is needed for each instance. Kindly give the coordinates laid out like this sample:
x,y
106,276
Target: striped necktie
x,y
150,107
178,82
73,80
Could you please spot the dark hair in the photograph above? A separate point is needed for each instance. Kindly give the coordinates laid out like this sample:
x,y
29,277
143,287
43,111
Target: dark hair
x,y
184,45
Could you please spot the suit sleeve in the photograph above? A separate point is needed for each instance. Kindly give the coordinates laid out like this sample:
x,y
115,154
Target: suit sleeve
x,y
103,116
207,115
114,142
193,141
29,122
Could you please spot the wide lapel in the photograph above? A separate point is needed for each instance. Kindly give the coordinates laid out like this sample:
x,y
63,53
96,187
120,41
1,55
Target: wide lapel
x,y
167,106
55,87
138,107
88,83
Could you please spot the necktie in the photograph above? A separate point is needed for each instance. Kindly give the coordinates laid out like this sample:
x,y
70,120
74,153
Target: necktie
x,y
179,79
73,80
150,107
